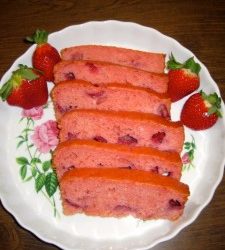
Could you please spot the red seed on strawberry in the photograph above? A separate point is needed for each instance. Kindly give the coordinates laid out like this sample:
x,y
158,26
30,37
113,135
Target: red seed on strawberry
x,y
45,55
26,88
183,78
201,111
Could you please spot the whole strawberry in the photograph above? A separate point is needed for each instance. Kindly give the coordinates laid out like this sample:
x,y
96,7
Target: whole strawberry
x,y
26,88
45,55
183,78
201,111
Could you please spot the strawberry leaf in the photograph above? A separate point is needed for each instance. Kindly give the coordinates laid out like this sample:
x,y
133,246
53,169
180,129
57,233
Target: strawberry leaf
x,y
212,110
26,73
213,102
188,64
192,65
203,94
6,90
173,64
39,37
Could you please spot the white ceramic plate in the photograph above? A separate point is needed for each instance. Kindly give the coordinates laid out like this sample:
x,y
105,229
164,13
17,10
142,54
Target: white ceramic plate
x,y
34,212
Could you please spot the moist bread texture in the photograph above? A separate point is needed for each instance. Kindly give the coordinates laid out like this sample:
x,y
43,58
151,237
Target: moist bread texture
x,y
130,128
78,153
102,73
77,94
121,192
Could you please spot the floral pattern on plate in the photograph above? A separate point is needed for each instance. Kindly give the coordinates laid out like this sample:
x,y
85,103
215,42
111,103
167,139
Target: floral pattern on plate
x,y
38,140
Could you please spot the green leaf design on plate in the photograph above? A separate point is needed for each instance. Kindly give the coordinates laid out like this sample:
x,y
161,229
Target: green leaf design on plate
x,y
28,178
23,171
189,155
21,137
46,166
187,145
19,144
22,160
35,161
27,130
33,167
33,171
39,182
51,183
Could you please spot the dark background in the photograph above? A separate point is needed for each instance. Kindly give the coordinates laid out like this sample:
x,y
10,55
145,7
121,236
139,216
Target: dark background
x,y
197,25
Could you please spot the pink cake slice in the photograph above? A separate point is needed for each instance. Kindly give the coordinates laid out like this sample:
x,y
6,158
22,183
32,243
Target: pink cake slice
x,y
102,73
121,192
154,62
75,94
130,128
79,153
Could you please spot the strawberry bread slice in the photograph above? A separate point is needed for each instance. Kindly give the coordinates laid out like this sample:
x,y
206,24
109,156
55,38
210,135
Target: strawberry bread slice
x,y
78,153
103,73
121,192
130,128
154,62
77,94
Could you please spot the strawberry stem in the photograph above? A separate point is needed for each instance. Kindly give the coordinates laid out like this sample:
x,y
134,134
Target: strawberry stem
x,y
173,64
188,64
39,37
214,103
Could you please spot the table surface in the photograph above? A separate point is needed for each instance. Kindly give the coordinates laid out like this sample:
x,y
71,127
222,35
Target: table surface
x,y
198,25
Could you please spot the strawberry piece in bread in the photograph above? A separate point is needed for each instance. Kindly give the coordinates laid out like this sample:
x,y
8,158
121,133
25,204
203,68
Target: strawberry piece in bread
x,y
76,94
78,153
130,128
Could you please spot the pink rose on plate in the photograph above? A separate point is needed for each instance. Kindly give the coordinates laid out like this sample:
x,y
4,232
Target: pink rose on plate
x,y
185,158
45,136
34,113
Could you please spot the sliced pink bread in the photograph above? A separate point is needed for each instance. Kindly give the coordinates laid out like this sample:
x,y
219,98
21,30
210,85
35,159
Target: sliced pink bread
x,y
75,94
79,153
154,62
102,73
131,128
121,192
